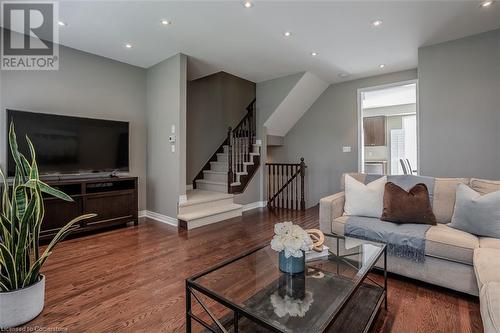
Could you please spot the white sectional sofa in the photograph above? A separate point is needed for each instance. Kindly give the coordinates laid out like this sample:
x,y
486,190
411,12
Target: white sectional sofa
x,y
453,258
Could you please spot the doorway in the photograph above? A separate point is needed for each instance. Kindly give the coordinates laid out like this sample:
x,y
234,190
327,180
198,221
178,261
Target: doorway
x,y
388,129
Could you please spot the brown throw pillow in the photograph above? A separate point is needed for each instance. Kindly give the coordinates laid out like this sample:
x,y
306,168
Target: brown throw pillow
x,y
407,207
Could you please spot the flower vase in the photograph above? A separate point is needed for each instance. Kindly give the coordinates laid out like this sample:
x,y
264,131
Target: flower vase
x,y
292,265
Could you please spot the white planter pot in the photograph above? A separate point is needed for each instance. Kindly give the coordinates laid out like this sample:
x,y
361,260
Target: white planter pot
x,y
20,306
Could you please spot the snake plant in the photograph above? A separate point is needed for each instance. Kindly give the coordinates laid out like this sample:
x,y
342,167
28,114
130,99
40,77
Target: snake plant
x,y
21,216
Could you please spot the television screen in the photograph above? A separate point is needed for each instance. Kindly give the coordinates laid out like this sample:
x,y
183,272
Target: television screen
x,y
71,145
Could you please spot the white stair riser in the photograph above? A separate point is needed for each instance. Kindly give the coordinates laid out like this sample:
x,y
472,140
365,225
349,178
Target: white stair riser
x,y
222,157
205,205
256,149
226,149
214,166
212,187
216,177
213,219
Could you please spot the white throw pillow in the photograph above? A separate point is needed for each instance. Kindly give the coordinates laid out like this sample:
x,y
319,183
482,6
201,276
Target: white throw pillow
x,y
475,213
364,200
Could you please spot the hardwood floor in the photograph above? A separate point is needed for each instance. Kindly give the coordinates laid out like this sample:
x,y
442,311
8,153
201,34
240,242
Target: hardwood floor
x,y
132,279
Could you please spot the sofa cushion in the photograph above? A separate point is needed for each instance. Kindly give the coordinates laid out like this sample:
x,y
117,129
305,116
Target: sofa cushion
x,y
444,242
364,200
411,206
484,186
476,213
491,243
490,307
486,266
444,197
338,225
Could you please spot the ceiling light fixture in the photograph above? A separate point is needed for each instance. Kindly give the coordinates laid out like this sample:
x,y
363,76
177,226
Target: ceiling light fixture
x,y
343,75
486,3
165,22
377,23
248,4
314,54
287,34
128,45
381,66
62,24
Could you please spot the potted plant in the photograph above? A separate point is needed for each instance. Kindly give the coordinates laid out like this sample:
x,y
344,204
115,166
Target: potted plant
x,y
22,287
291,241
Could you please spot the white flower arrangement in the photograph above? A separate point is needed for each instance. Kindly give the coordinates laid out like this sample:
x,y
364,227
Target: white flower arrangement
x,y
292,239
293,307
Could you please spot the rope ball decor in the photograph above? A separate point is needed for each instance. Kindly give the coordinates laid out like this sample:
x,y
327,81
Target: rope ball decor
x,y
318,239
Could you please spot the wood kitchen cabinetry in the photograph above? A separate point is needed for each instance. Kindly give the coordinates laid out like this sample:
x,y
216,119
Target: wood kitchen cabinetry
x,y
374,131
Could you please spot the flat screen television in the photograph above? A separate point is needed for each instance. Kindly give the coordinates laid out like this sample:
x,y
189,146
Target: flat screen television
x,y
71,145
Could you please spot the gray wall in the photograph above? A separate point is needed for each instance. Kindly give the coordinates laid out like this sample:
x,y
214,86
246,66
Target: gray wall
x,y
166,106
459,107
330,123
87,86
214,103
269,95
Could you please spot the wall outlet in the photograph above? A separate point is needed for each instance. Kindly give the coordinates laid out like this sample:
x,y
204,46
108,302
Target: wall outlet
x,y
346,149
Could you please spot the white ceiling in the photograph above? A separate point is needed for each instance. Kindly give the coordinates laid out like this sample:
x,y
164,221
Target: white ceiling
x,y
249,42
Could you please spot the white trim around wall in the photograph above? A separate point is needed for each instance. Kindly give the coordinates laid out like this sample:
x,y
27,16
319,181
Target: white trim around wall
x,y
159,217
254,205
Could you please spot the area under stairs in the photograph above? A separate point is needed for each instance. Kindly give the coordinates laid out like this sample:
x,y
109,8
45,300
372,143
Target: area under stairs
x,y
206,207
216,178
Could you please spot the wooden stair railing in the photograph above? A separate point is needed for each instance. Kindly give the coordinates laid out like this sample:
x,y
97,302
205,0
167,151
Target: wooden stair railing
x,y
285,185
243,159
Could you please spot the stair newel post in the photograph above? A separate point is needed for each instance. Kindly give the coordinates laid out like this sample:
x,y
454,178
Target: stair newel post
x,y
229,159
302,176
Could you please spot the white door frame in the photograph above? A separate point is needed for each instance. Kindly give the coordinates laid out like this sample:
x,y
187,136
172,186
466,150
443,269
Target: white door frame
x,y
361,150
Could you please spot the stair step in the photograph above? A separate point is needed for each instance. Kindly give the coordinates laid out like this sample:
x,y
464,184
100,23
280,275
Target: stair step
x,y
217,176
201,200
210,215
236,184
222,157
219,166
210,185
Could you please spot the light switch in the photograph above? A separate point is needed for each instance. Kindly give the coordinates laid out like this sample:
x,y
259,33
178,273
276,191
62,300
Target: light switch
x,y
346,149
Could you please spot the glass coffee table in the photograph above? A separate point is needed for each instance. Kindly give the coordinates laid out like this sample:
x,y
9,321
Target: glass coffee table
x,y
250,294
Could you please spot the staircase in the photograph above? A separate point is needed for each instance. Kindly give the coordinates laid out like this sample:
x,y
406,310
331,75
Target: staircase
x,y
225,174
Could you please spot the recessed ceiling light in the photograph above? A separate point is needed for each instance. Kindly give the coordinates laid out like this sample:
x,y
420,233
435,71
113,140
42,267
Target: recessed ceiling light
x,y
128,45
377,23
62,24
248,4
343,75
486,3
314,54
381,65
165,22
287,34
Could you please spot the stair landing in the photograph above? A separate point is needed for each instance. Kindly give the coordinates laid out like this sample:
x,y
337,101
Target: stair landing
x,y
206,207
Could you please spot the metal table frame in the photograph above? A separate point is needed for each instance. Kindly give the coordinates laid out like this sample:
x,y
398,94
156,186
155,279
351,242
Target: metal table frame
x,y
192,288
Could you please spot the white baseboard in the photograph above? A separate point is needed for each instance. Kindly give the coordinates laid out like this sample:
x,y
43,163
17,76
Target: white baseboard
x,y
253,205
159,217
189,187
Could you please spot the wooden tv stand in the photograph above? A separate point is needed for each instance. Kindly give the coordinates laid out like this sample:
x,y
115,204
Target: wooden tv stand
x,y
113,199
